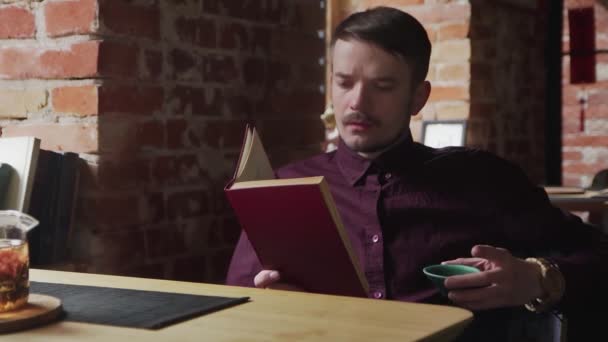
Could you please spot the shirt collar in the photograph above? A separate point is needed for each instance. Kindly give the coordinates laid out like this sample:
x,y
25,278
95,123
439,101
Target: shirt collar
x,y
354,167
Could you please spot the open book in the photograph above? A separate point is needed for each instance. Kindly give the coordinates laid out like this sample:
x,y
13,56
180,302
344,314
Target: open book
x,y
293,225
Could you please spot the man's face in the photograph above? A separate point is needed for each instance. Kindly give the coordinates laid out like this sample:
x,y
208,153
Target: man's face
x,y
371,95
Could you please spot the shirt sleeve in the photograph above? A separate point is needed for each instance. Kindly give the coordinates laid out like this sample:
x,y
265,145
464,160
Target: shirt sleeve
x,y
534,227
244,264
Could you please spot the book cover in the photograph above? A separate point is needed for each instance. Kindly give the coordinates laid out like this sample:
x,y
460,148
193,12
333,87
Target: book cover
x,y
293,225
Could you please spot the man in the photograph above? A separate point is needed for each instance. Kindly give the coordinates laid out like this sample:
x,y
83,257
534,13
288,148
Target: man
x,y
407,206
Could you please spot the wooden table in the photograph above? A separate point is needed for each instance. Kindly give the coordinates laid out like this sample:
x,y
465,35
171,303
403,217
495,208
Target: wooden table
x,y
587,201
271,315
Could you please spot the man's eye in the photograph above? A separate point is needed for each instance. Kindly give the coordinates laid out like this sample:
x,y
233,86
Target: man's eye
x,y
385,86
344,83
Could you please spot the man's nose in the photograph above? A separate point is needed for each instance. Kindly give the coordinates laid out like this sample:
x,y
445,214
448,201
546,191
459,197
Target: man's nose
x,y
359,98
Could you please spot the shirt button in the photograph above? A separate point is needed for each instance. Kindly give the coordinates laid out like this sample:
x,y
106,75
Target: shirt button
x,y
378,294
388,176
375,238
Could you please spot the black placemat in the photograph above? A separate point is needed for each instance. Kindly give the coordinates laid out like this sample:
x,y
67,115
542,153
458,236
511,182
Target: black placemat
x,y
130,308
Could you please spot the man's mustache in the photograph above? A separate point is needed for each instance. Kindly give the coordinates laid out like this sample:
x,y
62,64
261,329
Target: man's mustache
x,y
358,117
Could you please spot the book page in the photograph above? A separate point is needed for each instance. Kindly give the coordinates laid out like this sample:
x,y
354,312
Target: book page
x,y
254,163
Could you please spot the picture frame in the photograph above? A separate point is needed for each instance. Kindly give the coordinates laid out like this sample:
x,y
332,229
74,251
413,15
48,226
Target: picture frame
x,y
443,133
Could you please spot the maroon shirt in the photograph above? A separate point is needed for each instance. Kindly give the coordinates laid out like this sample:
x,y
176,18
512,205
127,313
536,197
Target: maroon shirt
x,y
415,206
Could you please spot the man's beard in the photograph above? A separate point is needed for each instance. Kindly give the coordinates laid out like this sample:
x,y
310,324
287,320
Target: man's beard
x,y
381,145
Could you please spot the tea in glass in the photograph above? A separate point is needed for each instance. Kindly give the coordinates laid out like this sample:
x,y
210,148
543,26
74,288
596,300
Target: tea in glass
x,y
14,274
14,259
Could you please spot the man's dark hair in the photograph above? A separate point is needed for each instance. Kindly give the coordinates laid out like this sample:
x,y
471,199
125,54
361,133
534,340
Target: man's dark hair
x,y
394,31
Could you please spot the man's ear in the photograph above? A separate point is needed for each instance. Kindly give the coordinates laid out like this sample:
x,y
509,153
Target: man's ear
x,y
421,96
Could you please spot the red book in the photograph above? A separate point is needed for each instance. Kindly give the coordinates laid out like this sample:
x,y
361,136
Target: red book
x,y
293,225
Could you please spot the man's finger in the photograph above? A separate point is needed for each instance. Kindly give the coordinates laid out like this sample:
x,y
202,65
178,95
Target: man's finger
x,y
481,279
484,294
265,278
464,261
490,253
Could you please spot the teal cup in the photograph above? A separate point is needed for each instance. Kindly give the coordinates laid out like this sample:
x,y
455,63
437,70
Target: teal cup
x,y
438,273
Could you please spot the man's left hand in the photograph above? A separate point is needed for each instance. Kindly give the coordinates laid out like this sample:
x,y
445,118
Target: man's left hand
x,y
504,280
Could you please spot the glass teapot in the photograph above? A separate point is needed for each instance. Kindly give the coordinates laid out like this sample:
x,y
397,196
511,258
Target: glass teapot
x,y
14,258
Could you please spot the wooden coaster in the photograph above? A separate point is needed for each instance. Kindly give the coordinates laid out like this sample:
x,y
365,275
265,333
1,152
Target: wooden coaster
x,y
40,309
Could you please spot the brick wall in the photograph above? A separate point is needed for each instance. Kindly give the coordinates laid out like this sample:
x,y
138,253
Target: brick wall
x,y
586,152
487,67
154,94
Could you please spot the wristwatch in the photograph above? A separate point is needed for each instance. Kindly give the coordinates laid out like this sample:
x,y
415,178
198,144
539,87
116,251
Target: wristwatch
x,y
552,283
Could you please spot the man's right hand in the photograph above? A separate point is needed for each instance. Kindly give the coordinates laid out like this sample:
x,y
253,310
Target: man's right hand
x,y
270,279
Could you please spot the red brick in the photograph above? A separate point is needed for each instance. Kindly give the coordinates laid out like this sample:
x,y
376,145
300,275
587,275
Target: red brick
x,y
597,112
308,16
118,59
254,10
280,73
449,93
211,6
185,100
311,74
599,97
178,134
431,32
70,17
583,168
16,22
181,205
220,69
297,103
184,64
79,61
224,134
153,64
454,72
153,207
130,99
298,47
234,35
572,156
81,100
129,19
585,141
577,3
150,134
207,33
261,41
572,180
127,173
301,132
239,105
429,14
164,240
254,71
178,170
58,137
453,31
570,95
186,29
571,125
